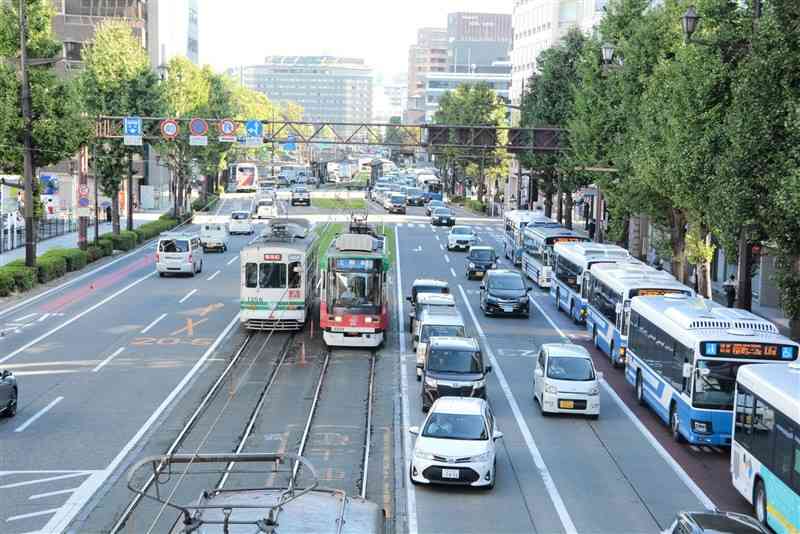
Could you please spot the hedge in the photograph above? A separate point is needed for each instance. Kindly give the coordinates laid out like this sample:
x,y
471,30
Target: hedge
x,y
126,240
95,252
153,228
7,283
199,205
24,277
50,267
106,244
475,205
75,258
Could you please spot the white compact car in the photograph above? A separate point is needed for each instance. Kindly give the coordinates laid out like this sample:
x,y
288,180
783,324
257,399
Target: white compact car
x,y
241,223
456,444
461,237
214,236
565,380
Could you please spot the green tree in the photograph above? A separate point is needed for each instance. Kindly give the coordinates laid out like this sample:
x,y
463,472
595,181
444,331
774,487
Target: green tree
x,y
58,126
117,80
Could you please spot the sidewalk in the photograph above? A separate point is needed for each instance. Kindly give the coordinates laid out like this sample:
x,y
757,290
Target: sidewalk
x,y
774,315
70,240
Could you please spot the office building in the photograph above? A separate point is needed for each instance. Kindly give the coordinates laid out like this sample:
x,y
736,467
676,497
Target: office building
x,y
538,25
429,54
498,77
477,39
330,89
172,27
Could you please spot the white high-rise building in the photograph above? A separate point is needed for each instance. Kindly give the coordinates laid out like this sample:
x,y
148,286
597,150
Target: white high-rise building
x,y
172,30
539,24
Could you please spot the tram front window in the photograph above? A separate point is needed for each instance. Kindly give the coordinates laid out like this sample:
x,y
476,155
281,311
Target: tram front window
x,y
356,290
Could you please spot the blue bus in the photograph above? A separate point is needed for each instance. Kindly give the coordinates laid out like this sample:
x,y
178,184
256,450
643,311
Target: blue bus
x,y
570,262
683,356
431,187
537,253
765,456
515,222
610,288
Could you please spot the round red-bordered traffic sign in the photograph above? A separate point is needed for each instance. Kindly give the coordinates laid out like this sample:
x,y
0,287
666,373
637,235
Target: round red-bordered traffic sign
x,y
83,190
198,127
170,128
226,127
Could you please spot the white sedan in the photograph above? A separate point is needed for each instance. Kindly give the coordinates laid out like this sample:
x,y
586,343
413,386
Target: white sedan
x,y
456,444
461,237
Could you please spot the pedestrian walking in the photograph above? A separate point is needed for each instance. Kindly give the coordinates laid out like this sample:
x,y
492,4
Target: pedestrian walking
x,y
108,213
730,290
591,228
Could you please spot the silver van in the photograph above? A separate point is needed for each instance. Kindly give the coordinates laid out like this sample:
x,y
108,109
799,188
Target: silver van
x,y
436,323
179,252
429,301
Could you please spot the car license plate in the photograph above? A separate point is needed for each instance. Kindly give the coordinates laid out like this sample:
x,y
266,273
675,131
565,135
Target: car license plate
x,y
478,273
566,404
450,473
508,309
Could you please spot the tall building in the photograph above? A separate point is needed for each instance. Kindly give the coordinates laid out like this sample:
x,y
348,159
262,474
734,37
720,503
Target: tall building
x,y
332,89
429,54
477,39
172,26
75,21
437,84
538,25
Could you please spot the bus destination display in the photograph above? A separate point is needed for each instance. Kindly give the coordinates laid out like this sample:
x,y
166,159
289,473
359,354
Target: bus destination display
x,y
756,351
568,239
656,292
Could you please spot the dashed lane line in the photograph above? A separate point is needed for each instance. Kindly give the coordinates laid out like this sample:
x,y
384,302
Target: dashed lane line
x,y
188,296
210,278
453,272
108,360
38,414
233,259
151,325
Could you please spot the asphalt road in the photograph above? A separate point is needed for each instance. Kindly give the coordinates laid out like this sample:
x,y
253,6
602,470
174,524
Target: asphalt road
x,y
110,363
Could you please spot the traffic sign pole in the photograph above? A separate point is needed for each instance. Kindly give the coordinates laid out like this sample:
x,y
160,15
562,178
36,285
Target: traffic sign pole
x,y
83,187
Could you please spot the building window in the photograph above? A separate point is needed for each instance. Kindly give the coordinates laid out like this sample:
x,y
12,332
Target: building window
x,y
72,50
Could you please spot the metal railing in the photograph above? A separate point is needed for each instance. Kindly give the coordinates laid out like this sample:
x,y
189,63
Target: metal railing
x,y
13,238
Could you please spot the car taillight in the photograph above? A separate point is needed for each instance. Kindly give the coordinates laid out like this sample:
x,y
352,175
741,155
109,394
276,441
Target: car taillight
x,y
157,257
190,257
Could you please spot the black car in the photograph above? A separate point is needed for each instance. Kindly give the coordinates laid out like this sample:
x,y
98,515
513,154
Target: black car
x,y
9,394
709,522
480,259
432,205
397,204
503,292
453,367
442,216
415,196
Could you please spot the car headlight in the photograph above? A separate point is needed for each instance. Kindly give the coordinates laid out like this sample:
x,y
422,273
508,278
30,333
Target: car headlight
x,y
485,457
493,266
422,455
549,388
594,390
478,384
471,265
523,300
431,382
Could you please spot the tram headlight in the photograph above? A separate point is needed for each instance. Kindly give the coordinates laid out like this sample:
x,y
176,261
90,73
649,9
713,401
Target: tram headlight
x,y
337,319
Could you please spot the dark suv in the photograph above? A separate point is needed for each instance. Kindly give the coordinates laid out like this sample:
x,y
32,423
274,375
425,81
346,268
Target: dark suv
x,y
453,367
9,394
479,261
503,292
708,522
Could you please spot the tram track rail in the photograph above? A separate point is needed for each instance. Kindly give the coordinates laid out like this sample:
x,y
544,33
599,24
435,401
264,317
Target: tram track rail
x,y
200,410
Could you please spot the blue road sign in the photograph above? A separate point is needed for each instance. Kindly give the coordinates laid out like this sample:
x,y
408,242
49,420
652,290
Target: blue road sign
x,y
133,126
290,143
254,128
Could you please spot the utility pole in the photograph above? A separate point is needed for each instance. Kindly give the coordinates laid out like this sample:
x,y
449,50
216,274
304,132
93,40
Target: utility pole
x,y
83,221
27,162
129,197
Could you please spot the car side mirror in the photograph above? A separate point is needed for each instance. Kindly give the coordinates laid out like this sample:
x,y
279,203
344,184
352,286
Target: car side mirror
x,y
497,435
488,368
600,375
413,430
538,372
483,286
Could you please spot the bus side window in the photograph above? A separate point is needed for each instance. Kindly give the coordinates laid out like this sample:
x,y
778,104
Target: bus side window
x,y
744,417
295,275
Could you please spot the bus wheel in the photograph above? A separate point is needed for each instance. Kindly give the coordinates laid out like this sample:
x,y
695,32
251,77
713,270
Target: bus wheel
x,y
760,502
675,424
639,389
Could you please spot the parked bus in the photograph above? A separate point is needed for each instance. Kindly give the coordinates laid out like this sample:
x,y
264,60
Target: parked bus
x,y
683,355
610,288
570,262
515,222
278,277
242,178
537,253
765,456
354,298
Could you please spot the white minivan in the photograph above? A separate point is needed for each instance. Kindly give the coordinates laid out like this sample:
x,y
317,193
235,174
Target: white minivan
x,y
240,223
214,236
179,252
266,208
565,380
439,322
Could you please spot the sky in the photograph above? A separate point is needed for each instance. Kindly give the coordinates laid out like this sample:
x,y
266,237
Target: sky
x,y
244,32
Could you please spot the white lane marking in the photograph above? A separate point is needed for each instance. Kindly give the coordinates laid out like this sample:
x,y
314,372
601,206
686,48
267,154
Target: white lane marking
x,y
107,360
666,456
70,509
233,259
538,460
25,317
437,237
38,414
54,372
717,450
72,474
453,272
75,318
151,325
188,295
411,496
32,514
441,246
210,278
44,317
51,493
447,258
695,448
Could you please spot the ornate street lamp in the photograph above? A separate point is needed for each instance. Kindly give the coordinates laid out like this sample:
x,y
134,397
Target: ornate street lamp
x,y
689,22
607,53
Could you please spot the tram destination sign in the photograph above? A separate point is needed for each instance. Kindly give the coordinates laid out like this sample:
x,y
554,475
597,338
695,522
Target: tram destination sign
x,y
755,351
356,264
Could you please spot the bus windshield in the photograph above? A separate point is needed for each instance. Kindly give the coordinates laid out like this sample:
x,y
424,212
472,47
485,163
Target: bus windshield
x,y
714,384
